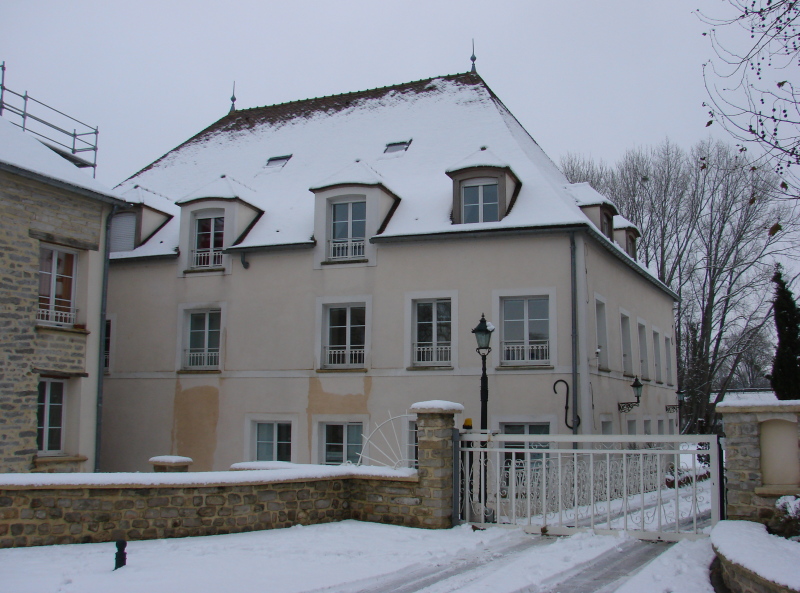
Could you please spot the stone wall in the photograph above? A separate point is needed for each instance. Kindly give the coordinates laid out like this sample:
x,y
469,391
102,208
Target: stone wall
x,y
29,213
103,507
740,580
748,497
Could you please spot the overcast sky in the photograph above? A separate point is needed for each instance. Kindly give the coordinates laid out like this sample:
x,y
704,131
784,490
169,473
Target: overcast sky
x,y
587,76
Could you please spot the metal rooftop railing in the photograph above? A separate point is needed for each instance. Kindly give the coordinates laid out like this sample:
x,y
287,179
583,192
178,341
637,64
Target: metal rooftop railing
x,y
51,127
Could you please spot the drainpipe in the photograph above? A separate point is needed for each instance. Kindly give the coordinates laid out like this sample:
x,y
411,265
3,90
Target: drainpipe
x,y
574,287
101,367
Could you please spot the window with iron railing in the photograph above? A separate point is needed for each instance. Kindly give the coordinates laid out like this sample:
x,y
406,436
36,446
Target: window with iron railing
x,y
348,230
526,330
432,331
56,287
204,340
209,235
346,336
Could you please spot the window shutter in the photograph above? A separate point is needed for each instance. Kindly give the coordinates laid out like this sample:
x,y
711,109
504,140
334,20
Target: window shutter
x,y
123,232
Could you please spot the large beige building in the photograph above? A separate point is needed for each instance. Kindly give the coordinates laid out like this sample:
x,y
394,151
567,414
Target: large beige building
x,y
52,262
295,274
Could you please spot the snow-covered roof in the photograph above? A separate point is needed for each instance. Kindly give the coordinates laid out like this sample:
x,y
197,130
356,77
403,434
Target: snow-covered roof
x,y
585,195
23,151
620,222
454,122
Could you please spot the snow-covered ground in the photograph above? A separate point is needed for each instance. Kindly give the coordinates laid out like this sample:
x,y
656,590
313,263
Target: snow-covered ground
x,y
347,557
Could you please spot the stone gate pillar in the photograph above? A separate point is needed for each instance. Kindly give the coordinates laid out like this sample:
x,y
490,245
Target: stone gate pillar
x,y
435,422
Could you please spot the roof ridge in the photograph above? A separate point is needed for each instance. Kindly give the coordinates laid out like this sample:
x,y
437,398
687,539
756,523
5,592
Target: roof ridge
x,y
362,91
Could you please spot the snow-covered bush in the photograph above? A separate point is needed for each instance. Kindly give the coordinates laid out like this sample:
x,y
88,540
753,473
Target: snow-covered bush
x,y
786,521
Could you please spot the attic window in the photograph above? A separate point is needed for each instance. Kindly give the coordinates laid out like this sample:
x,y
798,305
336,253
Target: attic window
x,y
278,161
397,146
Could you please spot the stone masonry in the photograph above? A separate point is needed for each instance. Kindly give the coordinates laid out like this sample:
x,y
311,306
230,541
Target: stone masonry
x,y
748,498
29,213
76,512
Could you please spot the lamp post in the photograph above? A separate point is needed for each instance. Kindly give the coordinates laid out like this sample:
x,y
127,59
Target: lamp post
x,y
483,335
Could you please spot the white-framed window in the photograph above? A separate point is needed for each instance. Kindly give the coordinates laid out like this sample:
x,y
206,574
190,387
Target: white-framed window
x,y
209,234
432,332
348,230
606,427
647,427
668,359
57,270
525,330
671,423
480,200
660,426
644,362
526,428
345,335
341,442
602,334
203,340
273,441
627,352
50,416
657,355
632,427
607,224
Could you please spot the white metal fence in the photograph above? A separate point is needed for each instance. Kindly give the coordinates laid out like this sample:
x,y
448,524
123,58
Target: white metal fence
x,y
655,487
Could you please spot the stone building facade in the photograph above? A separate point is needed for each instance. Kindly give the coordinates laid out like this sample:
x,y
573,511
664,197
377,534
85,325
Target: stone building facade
x,y
52,256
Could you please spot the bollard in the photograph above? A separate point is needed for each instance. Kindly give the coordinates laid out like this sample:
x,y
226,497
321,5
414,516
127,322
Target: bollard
x,y
120,557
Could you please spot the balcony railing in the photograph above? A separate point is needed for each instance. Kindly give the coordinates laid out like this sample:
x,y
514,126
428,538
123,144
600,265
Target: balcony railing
x,y
56,316
532,351
337,356
427,353
201,359
207,258
346,249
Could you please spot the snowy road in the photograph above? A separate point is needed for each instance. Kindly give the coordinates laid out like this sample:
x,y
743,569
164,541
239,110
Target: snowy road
x,y
355,557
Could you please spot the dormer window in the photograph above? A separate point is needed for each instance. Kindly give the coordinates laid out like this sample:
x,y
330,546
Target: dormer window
x,y
607,224
480,201
630,244
208,238
278,161
397,146
348,230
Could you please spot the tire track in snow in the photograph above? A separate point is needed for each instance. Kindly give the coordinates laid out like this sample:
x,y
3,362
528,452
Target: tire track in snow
x,y
420,576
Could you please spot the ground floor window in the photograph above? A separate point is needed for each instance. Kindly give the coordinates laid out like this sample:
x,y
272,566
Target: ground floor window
x,y
342,442
273,441
524,428
50,416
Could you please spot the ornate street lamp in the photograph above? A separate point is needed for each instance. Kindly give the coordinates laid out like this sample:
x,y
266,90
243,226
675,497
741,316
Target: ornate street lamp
x,y
483,335
637,386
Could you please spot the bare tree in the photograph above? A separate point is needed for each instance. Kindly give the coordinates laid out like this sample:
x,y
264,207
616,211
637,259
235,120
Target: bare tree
x,y
708,222
751,82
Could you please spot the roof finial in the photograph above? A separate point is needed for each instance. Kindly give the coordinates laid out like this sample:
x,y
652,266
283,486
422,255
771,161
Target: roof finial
x,y
473,58
233,98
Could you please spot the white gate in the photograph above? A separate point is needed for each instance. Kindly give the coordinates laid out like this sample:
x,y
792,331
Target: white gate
x,y
653,487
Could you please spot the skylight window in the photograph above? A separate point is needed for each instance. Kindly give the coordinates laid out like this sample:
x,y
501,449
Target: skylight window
x,y
278,161
397,146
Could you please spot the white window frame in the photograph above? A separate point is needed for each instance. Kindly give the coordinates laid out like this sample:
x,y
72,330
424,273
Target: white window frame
x,y
346,442
668,359
251,433
657,355
351,247
275,441
626,342
528,352
497,318
45,424
432,353
409,302
644,358
64,313
480,183
182,342
322,329
211,257
601,328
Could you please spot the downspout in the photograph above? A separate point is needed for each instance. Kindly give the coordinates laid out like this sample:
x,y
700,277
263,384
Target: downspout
x,y
574,287
101,366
